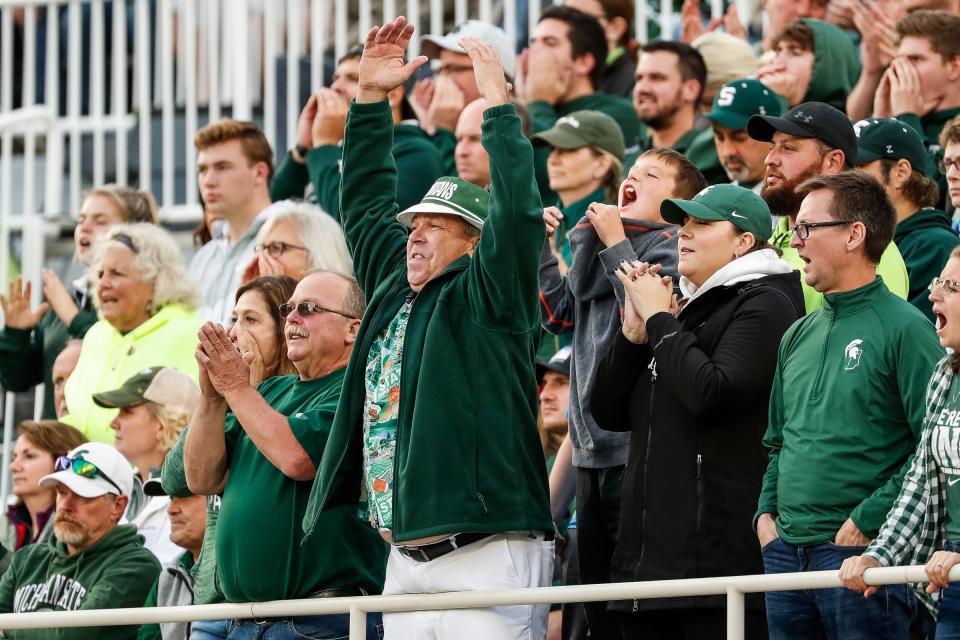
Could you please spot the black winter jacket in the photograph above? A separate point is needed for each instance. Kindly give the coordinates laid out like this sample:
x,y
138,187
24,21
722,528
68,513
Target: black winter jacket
x,y
695,397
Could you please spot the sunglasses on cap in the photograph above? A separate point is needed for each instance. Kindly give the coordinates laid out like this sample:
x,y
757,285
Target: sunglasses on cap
x,y
83,468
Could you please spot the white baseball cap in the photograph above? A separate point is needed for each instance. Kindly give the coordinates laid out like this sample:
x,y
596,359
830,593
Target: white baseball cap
x,y
496,37
91,470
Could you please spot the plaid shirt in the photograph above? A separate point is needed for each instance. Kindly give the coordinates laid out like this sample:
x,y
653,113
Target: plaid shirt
x,y
914,527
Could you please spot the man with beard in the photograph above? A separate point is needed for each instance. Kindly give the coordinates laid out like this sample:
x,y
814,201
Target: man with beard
x,y
810,140
741,156
670,79
94,563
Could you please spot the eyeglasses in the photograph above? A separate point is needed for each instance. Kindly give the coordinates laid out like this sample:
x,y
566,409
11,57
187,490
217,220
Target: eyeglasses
x,y
948,163
802,229
277,249
83,468
948,286
307,309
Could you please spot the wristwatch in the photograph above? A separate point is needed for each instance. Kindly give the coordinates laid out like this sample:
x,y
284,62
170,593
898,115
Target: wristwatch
x,y
301,150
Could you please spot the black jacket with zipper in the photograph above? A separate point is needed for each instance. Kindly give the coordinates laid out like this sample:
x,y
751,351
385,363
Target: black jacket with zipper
x,y
695,397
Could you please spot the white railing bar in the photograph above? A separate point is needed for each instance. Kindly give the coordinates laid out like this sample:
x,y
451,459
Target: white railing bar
x,y
240,11
460,11
95,87
142,75
28,95
413,17
358,623
119,79
735,613
167,112
340,44
510,21
533,17
295,11
190,91
436,19
716,8
319,9
51,92
272,29
213,64
464,600
366,16
640,21
486,13
389,12
74,68
666,21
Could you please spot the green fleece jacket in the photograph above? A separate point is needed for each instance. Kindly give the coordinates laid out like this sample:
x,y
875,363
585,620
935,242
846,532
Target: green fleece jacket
x,y
925,240
27,355
846,411
836,65
419,164
468,457
116,572
699,148
543,116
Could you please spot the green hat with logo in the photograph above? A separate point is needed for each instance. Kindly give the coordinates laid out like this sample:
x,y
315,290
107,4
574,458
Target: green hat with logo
x,y
889,139
744,208
584,129
738,100
453,197
165,386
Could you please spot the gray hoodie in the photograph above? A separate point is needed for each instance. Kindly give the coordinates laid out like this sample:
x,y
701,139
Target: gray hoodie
x,y
587,302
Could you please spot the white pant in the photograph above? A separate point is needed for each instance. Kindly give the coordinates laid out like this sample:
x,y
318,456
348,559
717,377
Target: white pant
x,y
504,561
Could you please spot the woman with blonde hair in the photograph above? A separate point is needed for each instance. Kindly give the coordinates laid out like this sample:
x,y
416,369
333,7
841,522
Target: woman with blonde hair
x,y
154,406
33,338
148,304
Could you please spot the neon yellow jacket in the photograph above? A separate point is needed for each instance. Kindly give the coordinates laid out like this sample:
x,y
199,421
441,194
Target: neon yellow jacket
x,y
108,358
892,268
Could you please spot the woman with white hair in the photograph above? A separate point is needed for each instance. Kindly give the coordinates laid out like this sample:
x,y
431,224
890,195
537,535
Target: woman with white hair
x,y
147,303
298,238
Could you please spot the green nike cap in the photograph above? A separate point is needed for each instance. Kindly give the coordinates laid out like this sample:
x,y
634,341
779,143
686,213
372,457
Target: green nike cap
x,y
890,139
738,100
744,208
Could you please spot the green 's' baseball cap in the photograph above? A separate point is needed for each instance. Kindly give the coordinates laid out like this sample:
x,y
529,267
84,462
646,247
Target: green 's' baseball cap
x,y
738,100
890,139
584,129
453,197
744,208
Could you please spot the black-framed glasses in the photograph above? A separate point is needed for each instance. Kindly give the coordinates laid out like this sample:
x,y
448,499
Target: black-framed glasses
x,y
802,229
307,309
948,163
83,468
277,249
948,286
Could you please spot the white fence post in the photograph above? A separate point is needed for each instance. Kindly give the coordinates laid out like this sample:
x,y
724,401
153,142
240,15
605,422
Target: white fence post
x,y
735,614
358,623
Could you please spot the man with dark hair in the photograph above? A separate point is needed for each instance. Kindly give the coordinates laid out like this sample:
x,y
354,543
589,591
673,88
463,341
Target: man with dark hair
x,y
811,139
560,73
315,159
846,411
815,61
950,164
893,153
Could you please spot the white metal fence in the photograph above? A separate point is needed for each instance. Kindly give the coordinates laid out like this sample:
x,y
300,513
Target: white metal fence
x,y
733,587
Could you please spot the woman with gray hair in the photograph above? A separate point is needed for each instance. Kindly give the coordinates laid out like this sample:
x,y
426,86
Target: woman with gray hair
x,y
148,303
298,238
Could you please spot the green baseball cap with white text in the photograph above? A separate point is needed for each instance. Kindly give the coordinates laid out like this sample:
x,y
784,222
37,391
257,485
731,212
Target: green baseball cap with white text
x,y
738,100
453,197
744,208
584,129
889,139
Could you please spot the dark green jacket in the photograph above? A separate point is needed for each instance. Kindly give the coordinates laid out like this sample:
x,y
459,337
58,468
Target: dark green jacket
x,y
846,411
26,356
445,141
698,146
836,65
468,456
116,572
543,116
929,127
419,164
925,241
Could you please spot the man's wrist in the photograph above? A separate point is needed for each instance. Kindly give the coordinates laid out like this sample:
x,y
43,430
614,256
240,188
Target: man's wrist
x,y
299,153
368,95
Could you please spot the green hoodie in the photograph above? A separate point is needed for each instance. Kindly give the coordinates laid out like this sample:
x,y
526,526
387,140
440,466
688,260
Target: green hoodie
x,y
117,572
698,147
836,65
846,410
925,240
468,457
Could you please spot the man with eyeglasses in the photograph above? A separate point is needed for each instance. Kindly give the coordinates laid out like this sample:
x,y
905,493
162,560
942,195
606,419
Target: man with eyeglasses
x,y
812,139
893,153
846,411
950,164
94,563
259,448
435,436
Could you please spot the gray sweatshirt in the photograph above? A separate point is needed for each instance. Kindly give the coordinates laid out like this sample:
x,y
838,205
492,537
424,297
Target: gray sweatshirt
x,y
588,302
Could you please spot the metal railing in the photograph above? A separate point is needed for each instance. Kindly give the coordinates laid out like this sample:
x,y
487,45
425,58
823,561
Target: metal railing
x,y
734,587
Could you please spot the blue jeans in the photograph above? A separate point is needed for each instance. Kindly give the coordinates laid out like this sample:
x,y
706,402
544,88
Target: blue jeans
x,y
330,627
832,614
209,630
948,623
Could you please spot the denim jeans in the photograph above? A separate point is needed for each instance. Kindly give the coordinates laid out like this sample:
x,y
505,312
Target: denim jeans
x,y
329,627
209,630
832,614
948,623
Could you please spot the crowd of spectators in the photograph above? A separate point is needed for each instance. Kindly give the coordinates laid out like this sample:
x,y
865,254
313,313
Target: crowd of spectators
x,y
595,311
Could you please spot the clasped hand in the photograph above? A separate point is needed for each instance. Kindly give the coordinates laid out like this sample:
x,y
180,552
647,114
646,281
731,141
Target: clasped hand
x,y
647,293
223,368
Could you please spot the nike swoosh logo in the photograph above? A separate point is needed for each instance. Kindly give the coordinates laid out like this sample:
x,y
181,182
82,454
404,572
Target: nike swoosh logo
x,y
953,481
737,215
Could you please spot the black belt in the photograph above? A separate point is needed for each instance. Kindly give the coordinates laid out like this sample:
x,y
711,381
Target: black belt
x,y
432,551
339,592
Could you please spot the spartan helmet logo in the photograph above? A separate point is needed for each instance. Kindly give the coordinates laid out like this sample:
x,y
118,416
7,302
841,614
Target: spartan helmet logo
x,y
851,355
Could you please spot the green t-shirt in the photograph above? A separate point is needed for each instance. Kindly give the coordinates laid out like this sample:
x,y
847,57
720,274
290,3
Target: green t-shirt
x,y
259,551
945,436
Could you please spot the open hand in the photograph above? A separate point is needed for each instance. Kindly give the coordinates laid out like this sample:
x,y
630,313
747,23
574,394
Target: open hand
x,y
381,65
488,71
305,126
906,95
16,306
547,77
446,104
330,118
